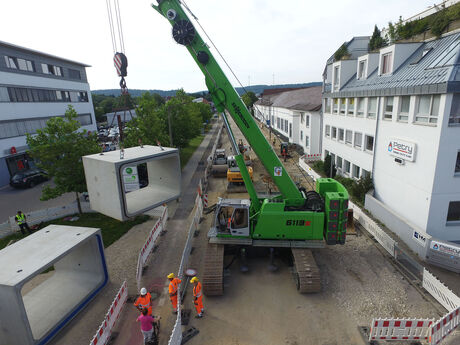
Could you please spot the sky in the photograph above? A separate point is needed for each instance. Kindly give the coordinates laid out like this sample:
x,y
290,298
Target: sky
x,y
264,41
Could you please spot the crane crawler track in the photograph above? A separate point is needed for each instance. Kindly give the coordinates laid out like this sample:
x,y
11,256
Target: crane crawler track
x,y
213,276
307,272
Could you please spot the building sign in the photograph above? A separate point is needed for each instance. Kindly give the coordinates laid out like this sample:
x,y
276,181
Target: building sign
x,y
130,179
445,248
278,171
419,237
401,149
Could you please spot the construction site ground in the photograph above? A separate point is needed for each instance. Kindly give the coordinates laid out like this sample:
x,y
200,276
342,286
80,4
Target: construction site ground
x,y
258,307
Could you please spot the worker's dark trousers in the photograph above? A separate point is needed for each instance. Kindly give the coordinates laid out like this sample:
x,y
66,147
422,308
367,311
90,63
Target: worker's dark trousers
x,y
24,225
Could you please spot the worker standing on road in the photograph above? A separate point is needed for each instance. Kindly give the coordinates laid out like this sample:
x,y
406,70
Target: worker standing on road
x,y
197,297
20,218
173,285
146,325
144,301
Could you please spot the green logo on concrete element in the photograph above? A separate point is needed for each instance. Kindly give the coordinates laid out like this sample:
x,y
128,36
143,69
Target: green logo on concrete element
x,y
129,170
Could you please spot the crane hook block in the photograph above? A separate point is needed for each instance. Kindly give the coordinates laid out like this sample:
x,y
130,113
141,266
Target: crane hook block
x,y
183,32
121,64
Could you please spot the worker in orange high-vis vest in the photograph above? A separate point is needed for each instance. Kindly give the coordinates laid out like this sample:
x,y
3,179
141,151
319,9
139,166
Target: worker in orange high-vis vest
x,y
197,297
144,301
173,286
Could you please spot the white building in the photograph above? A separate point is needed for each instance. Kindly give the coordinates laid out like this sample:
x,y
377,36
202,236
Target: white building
x,y
34,87
295,114
395,114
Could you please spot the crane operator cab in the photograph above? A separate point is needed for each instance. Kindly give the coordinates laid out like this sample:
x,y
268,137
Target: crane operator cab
x,y
232,217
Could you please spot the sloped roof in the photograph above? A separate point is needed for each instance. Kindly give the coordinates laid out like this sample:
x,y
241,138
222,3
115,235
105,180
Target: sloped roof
x,y
305,99
418,74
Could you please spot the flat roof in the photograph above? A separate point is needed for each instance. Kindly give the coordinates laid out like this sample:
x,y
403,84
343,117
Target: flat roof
x,y
23,259
132,154
6,44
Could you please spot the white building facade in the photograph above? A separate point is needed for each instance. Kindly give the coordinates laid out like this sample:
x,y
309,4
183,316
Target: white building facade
x,y
35,87
295,115
395,114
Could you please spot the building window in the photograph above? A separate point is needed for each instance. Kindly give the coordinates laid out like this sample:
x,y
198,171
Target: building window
x,y
365,173
342,106
358,140
341,134
4,97
386,63
351,106
388,113
356,170
290,130
286,125
372,108
334,133
328,105
21,64
301,135
328,131
360,111
339,162
50,69
362,69
453,214
348,136
74,74
427,109
307,141
336,78
302,117
335,107
277,122
454,118
457,164
20,94
404,106
369,143
307,121
346,166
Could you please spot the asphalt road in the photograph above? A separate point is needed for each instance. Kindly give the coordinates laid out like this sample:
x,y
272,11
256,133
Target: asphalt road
x,y
26,200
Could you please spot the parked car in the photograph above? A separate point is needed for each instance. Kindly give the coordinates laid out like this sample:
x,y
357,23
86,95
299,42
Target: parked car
x,y
28,178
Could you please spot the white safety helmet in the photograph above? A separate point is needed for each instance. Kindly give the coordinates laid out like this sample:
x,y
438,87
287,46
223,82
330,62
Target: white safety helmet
x,y
143,291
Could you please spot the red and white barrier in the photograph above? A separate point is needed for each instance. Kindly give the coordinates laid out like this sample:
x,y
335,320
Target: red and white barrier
x,y
444,326
149,244
400,329
312,157
105,330
205,200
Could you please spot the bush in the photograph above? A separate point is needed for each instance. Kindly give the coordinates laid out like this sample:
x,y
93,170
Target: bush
x,y
327,167
341,53
356,189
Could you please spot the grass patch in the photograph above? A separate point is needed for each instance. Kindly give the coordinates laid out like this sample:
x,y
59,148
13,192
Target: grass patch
x,y
111,229
188,151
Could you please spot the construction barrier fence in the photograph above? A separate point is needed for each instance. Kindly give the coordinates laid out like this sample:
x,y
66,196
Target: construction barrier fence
x,y
105,330
444,326
176,335
149,244
400,329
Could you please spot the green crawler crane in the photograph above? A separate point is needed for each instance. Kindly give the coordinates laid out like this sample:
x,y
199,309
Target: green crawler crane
x,y
296,219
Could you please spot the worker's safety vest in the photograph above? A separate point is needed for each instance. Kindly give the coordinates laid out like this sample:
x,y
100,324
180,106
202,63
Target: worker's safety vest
x,y
197,290
21,218
173,286
144,301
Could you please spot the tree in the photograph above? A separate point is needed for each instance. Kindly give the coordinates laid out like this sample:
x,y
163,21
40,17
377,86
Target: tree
x,y
341,52
376,40
249,98
205,111
58,148
150,124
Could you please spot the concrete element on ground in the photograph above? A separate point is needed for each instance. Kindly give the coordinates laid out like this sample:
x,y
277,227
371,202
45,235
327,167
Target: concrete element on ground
x,y
444,254
102,335
400,329
439,291
444,326
80,272
150,244
104,178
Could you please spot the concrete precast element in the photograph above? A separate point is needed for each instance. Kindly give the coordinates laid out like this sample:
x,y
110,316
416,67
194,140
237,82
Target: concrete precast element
x,y
80,272
104,179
